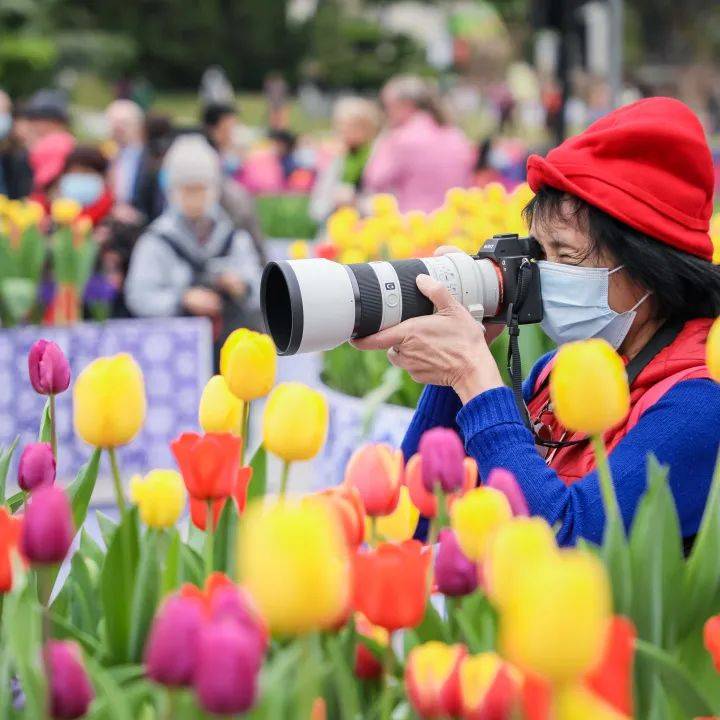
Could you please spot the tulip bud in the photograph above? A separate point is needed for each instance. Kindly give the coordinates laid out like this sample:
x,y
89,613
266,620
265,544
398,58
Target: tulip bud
x,y
455,574
36,467
65,210
171,653
70,690
47,529
713,351
230,603
376,471
160,497
401,523
505,482
443,459
220,411
48,367
476,516
432,679
711,638
489,688
227,668
248,362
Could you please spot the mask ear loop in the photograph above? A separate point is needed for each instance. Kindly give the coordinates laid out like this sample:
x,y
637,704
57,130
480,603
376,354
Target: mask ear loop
x,y
641,300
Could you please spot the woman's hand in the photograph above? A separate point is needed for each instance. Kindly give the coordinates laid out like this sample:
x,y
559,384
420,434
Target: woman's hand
x,y
447,348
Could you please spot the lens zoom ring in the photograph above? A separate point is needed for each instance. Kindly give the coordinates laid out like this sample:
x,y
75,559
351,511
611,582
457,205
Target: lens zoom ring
x,y
371,304
414,303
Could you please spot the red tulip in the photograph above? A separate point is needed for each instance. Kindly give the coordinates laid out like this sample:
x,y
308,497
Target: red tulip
x,y
612,679
376,471
489,688
425,501
348,505
10,528
367,666
171,653
443,457
70,690
199,508
209,463
326,250
432,679
711,636
36,467
47,529
391,584
48,367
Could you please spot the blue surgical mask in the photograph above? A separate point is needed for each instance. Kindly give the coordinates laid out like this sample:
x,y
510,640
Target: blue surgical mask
x,y
231,164
5,125
576,305
84,188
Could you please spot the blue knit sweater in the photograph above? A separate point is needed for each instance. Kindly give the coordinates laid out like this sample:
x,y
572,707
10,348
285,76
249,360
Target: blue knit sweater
x,y
682,430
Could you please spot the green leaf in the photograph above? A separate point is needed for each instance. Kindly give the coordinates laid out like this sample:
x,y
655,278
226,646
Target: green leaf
x,y
81,489
86,254
63,628
45,432
5,458
224,540
146,595
85,604
432,626
107,527
31,254
344,680
15,501
18,296
65,259
118,704
90,549
675,679
117,586
171,577
258,483
702,577
192,566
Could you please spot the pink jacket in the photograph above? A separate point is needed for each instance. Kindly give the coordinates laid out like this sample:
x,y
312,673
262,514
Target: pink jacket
x,y
419,162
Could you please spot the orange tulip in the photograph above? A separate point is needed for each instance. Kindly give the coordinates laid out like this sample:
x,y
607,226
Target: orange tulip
x,y
489,688
391,584
432,679
347,503
214,582
711,637
425,501
9,537
376,471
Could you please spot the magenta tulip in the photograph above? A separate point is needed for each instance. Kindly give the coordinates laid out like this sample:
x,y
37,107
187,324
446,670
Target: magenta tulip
x,y
455,574
227,669
70,690
505,482
232,603
171,652
47,529
48,367
443,458
37,466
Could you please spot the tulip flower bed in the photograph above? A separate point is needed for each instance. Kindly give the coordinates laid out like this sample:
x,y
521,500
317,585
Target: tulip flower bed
x,y
323,606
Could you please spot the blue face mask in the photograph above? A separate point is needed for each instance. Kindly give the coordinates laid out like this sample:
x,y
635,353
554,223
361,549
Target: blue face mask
x,y
84,188
576,306
231,164
5,125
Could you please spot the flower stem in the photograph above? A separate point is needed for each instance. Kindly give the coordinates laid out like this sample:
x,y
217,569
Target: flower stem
x,y
386,697
245,431
209,540
284,478
606,486
119,495
373,531
53,426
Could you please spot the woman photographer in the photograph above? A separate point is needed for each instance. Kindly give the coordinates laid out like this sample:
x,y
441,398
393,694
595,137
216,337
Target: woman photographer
x,y
622,213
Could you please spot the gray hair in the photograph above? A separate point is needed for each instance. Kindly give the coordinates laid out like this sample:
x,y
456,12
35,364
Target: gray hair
x,y
420,92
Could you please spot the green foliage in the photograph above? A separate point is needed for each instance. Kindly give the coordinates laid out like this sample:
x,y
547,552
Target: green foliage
x,y
285,216
27,62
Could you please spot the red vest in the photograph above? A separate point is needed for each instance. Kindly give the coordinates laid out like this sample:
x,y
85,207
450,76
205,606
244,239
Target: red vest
x,y
683,359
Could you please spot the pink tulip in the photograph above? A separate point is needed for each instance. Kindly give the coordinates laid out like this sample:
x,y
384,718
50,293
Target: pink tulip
x,y
455,574
504,481
47,529
443,457
227,669
70,690
234,604
171,652
37,466
48,367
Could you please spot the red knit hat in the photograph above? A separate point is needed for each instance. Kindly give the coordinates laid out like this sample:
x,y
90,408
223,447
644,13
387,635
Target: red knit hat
x,y
647,164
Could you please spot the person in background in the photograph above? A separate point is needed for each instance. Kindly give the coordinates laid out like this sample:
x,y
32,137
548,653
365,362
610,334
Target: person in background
x,y
45,114
356,122
284,142
149,197
275,89
484,172
421,156
15,173
192,260
220,123
126,121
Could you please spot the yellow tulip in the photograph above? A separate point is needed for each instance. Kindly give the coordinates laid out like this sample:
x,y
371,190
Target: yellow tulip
x,y
294,562
401,247
353,255
109,401
248,362
476,516
400,525
416,220
34,212
495,193
160,497
576,701
713,351
64,211
383,205
522,195
554,620
295,421
220,411
520,543
589,387
342,223
299,250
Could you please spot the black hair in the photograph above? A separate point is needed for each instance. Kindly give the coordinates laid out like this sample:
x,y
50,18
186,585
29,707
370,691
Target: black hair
x,y
215,112
284,137
87,156
684,286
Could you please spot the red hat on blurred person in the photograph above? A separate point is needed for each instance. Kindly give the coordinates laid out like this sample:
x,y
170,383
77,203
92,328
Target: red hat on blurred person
x,y
647,164
48,156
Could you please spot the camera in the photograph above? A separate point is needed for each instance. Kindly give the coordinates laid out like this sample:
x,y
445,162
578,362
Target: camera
x,y
318,304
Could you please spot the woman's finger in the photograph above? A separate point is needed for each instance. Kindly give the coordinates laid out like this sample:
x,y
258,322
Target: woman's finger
x,y
445,249
381,340
436,292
